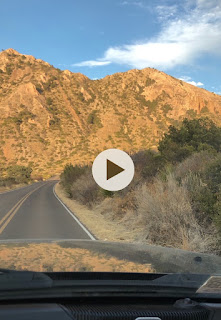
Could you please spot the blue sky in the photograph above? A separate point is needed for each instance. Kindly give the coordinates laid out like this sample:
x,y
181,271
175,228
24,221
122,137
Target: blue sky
x,y
100,37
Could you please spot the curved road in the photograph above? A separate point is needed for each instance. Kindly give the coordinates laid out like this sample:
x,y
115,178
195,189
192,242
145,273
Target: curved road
x,y
33,212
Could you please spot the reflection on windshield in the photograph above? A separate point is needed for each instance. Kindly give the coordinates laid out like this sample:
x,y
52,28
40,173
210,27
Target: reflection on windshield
x,y
52,257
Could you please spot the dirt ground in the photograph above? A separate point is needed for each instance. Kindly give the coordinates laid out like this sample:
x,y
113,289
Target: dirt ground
x,y
102,227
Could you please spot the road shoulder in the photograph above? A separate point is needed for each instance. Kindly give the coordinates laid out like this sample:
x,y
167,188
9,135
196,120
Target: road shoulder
x,y
100,226
14,187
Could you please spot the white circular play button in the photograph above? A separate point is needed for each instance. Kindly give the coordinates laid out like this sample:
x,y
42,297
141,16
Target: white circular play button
x,y
113,170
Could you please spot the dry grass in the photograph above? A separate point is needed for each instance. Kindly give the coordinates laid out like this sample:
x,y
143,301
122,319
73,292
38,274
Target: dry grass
x,y
164,209
52,257
12,187
197,162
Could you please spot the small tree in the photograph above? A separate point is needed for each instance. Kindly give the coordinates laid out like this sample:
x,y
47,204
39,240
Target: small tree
x,y
193,136
21,174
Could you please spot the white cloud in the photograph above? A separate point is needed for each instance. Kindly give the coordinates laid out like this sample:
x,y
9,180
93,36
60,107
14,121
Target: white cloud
x,y
140,4
91,63
196,84
190,81
185,36
166,12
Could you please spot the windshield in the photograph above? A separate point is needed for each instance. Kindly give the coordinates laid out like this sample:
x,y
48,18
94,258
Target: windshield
x,y
110,136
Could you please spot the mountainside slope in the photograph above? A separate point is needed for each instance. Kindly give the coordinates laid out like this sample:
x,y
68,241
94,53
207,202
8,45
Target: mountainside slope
x,y
50,117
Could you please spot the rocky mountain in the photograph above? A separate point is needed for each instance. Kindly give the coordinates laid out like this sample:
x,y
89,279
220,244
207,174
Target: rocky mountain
x,y
50,117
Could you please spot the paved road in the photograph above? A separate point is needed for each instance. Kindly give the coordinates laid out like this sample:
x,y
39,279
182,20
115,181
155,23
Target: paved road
x,y
34,212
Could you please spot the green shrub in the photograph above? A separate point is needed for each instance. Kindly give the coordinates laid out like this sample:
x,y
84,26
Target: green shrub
x,y
54,123
69,175
106,193
149,82
154,163
77,111
204,110
20,174
201,175
50,84
191,113
193,135
166,108
212,175
94,119
25,115
49,101
9,68
39,88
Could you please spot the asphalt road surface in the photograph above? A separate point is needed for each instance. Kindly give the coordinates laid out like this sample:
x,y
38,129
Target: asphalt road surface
x,y
34,212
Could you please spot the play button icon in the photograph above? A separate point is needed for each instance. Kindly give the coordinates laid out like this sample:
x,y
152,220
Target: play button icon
x,y
113,169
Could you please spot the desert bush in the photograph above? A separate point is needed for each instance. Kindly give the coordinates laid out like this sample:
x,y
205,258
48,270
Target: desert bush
x,y
94,119
149,81
39,88
20,174
197,162
165,210
154,163
204,110
147,164
9,69
107,193
54,123
7,182
85,190
80,185
49,101
200,196
25,115
50,84
204,186
120,206
139,159
69,176
212,175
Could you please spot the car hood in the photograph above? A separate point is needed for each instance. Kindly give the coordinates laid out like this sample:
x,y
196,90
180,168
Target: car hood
x,y
83,255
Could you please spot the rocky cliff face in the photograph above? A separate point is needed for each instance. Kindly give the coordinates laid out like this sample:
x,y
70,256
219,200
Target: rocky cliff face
x,y
50,117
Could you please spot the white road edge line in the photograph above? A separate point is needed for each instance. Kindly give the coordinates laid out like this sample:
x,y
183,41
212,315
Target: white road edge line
x,y
73,216
40,240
